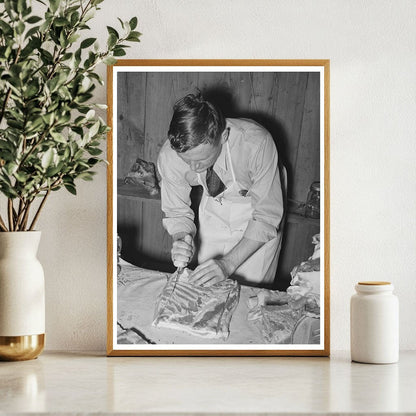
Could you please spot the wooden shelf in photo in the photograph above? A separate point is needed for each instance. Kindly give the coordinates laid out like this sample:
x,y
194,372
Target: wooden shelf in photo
x,y
295,218
130,191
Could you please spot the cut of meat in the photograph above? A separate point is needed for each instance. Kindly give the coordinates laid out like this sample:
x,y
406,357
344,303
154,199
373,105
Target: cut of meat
x,y
143,174
278,323
203,311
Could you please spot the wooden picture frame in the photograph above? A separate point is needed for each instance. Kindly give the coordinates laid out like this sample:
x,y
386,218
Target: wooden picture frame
x,y
290,98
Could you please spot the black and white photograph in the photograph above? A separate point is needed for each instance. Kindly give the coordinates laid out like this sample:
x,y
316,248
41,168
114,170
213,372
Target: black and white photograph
x,y
218,210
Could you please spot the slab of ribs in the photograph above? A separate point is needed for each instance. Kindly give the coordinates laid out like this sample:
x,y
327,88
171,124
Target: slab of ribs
x,y
198,310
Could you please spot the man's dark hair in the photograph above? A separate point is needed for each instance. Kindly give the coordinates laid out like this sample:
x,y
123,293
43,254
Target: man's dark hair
x,y
194,122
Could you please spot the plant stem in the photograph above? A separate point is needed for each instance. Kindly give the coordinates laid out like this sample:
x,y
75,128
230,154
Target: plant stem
x,y
20,213
26,216
3,109
39,209
2,225
10,213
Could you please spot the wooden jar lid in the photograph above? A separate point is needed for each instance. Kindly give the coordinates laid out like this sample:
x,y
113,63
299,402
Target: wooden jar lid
x,y
374,283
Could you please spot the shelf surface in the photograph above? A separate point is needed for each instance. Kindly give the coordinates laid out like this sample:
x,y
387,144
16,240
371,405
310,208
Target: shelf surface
x,y
90,383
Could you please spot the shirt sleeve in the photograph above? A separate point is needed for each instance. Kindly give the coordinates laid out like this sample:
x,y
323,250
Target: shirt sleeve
x,y
266,193
175,195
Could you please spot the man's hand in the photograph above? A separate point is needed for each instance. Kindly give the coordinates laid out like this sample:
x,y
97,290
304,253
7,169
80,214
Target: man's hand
x,y
211,272
182,249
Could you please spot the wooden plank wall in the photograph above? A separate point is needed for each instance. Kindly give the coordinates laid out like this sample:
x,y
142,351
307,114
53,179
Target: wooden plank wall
x,y
287,104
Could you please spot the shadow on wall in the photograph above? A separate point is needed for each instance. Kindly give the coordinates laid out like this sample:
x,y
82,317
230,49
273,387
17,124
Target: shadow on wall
x,y
223,98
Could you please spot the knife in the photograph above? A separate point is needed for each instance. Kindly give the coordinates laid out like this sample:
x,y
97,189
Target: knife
x,y
180,269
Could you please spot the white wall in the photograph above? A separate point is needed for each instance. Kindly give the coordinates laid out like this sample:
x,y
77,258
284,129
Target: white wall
x,y
371,45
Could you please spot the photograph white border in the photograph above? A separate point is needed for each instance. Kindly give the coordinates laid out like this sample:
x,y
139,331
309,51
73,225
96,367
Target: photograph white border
x,y
113,348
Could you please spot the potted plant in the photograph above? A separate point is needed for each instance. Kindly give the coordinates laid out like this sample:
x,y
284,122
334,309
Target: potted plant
x,y
50,136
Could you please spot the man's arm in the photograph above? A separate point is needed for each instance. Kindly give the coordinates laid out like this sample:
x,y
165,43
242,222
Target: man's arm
x,y
176,205
175,194
265,192
214,271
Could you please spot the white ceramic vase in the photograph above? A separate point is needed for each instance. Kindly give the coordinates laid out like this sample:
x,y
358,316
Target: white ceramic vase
x,y
22,296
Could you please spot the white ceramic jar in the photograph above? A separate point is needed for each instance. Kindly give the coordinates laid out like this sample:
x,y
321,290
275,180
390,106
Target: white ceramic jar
x,y
374,323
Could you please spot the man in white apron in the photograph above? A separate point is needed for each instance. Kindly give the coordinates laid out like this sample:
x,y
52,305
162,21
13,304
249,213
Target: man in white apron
x,y
236,162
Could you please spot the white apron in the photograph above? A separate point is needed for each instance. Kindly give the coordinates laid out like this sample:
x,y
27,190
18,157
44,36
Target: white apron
x,y
222,223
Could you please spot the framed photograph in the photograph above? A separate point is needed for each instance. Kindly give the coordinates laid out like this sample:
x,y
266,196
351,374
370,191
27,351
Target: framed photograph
x,y
218,208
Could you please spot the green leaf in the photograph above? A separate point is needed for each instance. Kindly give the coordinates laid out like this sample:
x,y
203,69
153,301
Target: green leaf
x,y
35,125
96,77
119,52
53,83
11,168
54,4
4,145
112,31
5,28
122,23
26,11
112,41
21,177
67,153
20,28
87,42
21,5
31,90
33,19
110,60
78,154
89,15
94,129
63,41
133,23
94,151
73,38
28,50
74,18
67,56
90,115
133,38
52,171
31,32
61,21
77,130
82,98
48,118
16,124
8,191
10,7
86,176
46,56
82,165
60,138
47,158
70,188
92,161
64,93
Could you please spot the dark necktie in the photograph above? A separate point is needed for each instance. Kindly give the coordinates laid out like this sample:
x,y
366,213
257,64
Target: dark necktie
x,y
214,184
